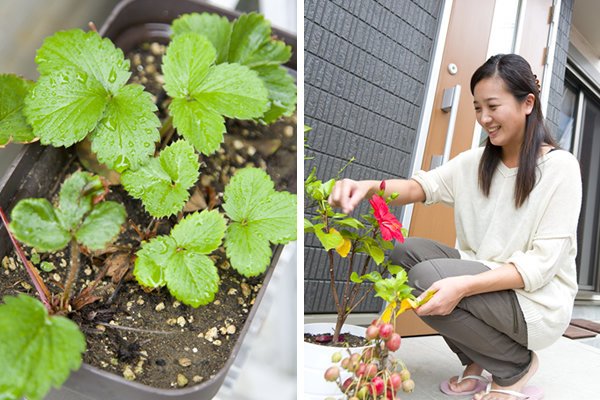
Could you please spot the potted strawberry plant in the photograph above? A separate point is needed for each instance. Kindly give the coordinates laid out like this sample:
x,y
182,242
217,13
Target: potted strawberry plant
x,y
345,238
198,232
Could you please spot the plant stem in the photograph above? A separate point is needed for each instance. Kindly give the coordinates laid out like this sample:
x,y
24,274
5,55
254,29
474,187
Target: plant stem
x,y
166,132
73,273
34,275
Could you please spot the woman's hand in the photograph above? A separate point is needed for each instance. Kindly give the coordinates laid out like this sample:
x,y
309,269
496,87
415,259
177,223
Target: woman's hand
x,y
448,293
347,193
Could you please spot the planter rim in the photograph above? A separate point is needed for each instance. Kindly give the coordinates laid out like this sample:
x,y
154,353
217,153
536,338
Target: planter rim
x,y
287,36
321,327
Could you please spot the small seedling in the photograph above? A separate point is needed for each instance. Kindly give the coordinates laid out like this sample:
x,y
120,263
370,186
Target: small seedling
x,y
259,216
38,346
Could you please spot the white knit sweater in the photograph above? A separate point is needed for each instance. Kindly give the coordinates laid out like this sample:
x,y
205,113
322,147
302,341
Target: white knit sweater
x,y
539,238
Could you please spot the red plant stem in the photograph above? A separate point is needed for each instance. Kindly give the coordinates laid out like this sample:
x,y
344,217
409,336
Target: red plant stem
x,y
34,275
73,273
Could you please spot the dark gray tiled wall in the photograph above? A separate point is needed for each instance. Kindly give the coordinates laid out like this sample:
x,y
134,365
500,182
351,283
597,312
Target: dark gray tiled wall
x,y
560,63
366,65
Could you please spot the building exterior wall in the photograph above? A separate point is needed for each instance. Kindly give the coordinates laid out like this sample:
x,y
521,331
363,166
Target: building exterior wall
x,y
366,68
560,64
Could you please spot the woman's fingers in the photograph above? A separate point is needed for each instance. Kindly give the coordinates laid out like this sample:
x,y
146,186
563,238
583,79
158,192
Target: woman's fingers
x,y
346,194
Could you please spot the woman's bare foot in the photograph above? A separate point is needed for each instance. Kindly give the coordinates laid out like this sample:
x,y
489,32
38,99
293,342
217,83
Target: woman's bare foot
x,y
517,387
467,384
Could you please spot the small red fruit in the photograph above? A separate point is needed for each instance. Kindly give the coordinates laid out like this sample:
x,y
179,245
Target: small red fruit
x,y
345,363
367,354
377,386
370,370
385,331
332,373
395,381
372,332
360,371
393,342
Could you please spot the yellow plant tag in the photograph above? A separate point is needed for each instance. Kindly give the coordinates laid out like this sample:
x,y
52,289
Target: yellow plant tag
x,y
386,316
344,248
428,296
408,304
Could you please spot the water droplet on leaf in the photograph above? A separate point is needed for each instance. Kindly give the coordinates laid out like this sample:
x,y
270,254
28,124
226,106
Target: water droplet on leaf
x,y
110,126
112,77
121,163
82,77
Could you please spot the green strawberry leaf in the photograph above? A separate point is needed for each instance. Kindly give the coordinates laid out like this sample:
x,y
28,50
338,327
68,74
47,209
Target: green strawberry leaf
x,y
37,351
233,90
34,222
282,92
200,232
186,64
214,27
203,93
76,197
180,260
63,109
37,223
242,196
152,259
87,53
101,225
260,216
198,125
251,43
162,184
192,278
248,253
82,90
126,135
248,41
13,125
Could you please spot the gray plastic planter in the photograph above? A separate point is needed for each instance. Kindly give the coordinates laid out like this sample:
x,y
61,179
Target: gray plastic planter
x,y
37,169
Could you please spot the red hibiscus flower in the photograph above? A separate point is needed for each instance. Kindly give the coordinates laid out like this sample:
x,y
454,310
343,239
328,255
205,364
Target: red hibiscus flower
x,y
389,226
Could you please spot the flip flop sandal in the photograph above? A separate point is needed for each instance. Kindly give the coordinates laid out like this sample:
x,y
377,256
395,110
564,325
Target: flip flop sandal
x,y
480,387
527,393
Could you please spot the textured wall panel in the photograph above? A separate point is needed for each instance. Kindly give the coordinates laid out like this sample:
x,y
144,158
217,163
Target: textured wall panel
x,y
366,65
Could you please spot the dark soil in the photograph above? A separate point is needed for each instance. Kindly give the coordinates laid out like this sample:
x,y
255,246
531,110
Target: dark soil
x,y
346,339
150,337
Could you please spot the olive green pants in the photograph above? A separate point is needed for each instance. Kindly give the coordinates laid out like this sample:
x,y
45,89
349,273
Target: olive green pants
x,y
488,329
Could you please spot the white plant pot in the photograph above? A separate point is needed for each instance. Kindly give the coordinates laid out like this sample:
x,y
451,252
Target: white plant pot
x,y
317,359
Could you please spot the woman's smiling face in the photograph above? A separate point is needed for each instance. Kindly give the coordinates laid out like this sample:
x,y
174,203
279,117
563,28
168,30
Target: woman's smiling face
x,y
500,113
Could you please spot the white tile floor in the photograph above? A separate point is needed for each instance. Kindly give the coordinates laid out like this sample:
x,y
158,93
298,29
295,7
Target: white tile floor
x,y
569,370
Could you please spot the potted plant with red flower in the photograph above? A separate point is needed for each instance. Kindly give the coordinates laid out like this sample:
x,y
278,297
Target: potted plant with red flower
x,y
356,255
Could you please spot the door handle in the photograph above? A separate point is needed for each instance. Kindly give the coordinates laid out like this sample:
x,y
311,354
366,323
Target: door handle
x,y
450,101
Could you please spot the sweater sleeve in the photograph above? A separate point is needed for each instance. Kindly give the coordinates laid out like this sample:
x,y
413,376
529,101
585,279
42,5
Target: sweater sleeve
x,y
438,184
554,244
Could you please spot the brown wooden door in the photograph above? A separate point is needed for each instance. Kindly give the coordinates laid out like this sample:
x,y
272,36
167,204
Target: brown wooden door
x,y
465,47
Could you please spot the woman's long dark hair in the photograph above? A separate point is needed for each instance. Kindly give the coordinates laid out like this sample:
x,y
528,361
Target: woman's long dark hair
x,y
520,81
